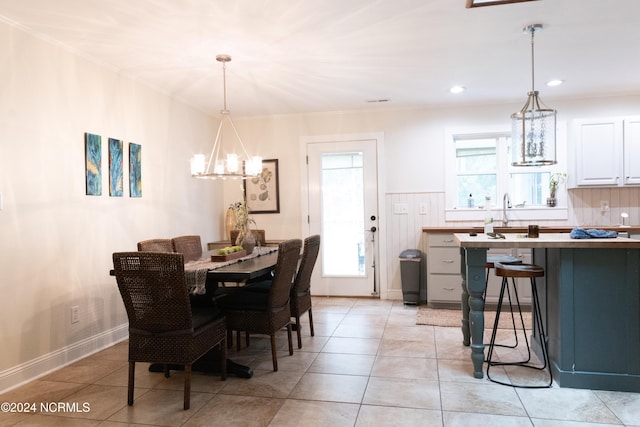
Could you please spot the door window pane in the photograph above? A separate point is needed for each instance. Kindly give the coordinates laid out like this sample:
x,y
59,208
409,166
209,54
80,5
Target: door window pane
x,y
342,195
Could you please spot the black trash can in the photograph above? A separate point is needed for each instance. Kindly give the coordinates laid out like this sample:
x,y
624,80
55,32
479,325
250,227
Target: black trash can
x,y
410,262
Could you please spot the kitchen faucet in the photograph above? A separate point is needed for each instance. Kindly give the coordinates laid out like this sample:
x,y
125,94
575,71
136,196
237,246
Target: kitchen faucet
x,y
506,203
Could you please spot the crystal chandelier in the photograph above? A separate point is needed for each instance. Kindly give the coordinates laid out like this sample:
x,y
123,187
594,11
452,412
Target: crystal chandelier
x,y
533,128
233,165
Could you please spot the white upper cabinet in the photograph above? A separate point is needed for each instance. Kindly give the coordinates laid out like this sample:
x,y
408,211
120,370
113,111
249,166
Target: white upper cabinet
x,y
632,151
607,152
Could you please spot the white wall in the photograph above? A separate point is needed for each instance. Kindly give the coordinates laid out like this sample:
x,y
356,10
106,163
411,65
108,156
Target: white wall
x,y
56,242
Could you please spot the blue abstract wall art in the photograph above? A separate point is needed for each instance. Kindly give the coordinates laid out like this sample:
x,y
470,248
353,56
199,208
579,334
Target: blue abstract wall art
x,y
115,167
93,164
135,170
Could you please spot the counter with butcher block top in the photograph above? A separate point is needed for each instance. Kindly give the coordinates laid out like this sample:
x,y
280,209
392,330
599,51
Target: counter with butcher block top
x,y
590,302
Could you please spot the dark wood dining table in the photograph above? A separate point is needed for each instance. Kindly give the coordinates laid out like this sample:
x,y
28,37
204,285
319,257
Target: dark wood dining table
x,y
245,269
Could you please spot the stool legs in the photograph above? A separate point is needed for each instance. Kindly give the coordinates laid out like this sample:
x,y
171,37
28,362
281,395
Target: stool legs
x,y
492,343
537,322
513,319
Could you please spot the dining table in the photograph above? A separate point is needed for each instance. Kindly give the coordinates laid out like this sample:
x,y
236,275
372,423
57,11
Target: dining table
x,y
200,272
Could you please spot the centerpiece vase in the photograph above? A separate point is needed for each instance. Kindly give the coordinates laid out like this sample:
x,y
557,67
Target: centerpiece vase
x,y
229,223
247,240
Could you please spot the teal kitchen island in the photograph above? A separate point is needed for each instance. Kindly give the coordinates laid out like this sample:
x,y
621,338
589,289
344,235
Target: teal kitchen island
x,y
590,303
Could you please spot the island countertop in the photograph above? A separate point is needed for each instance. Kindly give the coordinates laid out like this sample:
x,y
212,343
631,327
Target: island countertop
x,y
523,229
545,240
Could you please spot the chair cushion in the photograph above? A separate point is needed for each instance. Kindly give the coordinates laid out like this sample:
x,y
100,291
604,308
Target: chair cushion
x,y
203,315
244,300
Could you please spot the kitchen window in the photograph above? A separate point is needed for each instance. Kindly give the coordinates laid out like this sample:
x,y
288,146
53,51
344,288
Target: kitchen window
x,y
479,169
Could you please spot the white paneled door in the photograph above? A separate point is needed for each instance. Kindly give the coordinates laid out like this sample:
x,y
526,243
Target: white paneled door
x,y
342,190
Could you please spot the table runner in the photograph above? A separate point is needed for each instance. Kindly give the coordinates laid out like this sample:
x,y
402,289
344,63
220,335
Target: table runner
x,y
195,272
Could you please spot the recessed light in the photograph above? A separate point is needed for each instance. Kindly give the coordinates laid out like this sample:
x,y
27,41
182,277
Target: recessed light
x,y
556,82
457,89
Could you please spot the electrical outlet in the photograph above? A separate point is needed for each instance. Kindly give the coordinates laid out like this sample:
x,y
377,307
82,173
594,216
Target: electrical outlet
x,y
400,208
422,208
75,316
604,206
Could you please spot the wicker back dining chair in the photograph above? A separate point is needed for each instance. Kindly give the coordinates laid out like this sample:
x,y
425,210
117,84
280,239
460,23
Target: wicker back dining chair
x,y
301,290
163,327
189,246
155,245
266,312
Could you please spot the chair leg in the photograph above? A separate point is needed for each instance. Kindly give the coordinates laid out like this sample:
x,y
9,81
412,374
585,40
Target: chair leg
x,y
229,338
132,375
311,322
274,356
246,339
298,331
187,386
290,340
238,340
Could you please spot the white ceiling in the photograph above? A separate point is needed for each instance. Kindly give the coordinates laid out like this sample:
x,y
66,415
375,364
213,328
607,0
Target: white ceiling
x,y
293,56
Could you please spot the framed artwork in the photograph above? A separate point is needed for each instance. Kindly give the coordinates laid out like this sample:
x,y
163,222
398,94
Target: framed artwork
x,y
135,170
93,164
115,167
262,192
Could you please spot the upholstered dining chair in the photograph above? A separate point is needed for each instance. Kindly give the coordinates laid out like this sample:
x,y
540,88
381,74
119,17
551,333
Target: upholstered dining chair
x,y
300,295
189,246
266,312
163,327
155,245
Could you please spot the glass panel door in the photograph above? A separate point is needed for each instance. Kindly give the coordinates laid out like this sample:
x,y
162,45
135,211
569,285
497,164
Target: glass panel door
x,y
342,209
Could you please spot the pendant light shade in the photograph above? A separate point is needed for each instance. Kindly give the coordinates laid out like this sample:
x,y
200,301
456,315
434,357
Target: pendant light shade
x,y
224,161
533,128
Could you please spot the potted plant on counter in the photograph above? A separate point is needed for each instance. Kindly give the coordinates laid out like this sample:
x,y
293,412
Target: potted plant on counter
x,y
555,180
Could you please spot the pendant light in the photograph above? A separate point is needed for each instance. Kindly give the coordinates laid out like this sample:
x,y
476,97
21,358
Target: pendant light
x,y
533,128
225,162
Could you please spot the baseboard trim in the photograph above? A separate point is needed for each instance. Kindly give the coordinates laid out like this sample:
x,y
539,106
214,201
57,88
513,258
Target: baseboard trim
x,y
45,364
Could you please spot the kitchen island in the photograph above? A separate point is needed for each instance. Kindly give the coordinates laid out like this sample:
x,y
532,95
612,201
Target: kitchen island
x,y
590,302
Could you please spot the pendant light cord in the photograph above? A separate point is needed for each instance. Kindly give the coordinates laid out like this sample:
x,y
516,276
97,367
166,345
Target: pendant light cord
x,y
533,81
224,85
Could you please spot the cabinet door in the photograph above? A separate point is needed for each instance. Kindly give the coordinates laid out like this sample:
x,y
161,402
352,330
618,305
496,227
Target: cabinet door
x,y
495,282
632,151
598,152
524,285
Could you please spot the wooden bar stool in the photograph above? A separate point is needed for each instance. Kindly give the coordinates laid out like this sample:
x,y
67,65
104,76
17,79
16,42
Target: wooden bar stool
x,y
513,271
506,259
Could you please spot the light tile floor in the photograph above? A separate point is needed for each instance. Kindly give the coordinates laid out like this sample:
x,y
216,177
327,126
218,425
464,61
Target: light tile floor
x,y
369,364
